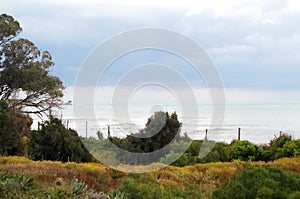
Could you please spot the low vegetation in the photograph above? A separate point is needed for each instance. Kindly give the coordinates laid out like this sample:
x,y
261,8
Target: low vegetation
x,y
181,150
260,181
49,179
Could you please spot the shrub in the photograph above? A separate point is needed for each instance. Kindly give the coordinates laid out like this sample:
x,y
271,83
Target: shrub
x,y
219,152
145,187
260,182
55,142
244,150
275,148
291,148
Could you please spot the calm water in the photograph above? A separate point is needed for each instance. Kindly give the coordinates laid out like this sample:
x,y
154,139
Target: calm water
x,y
259,122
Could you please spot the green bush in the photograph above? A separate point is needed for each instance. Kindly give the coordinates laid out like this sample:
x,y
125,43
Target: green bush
x,y
244,150
138,186
291,148
260,182
275,148
134,190
295,195
218,153
54,142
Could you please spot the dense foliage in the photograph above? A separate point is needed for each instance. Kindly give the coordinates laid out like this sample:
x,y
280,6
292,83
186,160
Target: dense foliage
x,y
244,150
54,142
9,140
26,86
25,82
275,149
161,129
146,187
279,147
261,182
193,154
14,130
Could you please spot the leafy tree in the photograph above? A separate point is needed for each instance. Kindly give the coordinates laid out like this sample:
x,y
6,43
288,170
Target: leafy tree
x,y
9,28
54,142
25,81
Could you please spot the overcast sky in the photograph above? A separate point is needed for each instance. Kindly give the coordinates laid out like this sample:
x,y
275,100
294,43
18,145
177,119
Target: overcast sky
x,y
254,44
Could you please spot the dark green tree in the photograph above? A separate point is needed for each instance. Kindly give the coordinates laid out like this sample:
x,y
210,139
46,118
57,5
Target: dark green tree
x,y
160,130
14,130
54,142
25,82
9,139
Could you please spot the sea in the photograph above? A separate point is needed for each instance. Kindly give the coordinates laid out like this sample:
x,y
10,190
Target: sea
x,y
258,122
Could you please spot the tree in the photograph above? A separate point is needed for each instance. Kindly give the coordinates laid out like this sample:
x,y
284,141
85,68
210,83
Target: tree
x,y
9,140
160,130
25,81
9,28
54,142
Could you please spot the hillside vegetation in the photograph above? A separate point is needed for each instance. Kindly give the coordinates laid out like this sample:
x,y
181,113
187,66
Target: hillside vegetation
x,y
52,179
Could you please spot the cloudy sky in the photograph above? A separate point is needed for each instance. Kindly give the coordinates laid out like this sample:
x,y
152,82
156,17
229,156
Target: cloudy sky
x,y
255,44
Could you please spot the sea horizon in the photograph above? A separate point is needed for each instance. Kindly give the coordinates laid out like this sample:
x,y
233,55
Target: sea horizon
x,y
259,122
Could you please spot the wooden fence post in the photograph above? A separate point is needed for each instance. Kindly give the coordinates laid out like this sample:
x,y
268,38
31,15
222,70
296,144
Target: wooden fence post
x,y
206,131
86,129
